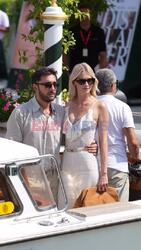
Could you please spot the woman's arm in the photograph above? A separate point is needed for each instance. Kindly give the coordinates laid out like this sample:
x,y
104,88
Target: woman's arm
x,y
103,122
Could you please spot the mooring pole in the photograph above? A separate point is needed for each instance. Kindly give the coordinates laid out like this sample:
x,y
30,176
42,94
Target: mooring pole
x,y
53,19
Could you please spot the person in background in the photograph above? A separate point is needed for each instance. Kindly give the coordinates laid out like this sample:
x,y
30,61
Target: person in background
x,y
4,27
90,44
121,131
83,115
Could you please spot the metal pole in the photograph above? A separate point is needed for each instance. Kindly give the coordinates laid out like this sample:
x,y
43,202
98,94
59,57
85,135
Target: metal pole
x,y
53,19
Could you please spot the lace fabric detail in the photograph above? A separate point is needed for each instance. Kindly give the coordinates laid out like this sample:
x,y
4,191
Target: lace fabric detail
x,y
80,133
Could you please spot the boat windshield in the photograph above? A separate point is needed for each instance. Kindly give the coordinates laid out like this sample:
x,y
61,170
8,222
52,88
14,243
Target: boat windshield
x,y
42,180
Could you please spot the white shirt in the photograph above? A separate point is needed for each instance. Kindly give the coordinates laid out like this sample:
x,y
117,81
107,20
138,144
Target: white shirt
x,y
120,116
4,22
28,124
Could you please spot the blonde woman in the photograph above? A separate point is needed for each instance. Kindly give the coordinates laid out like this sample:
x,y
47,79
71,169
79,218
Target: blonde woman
x,y
84,115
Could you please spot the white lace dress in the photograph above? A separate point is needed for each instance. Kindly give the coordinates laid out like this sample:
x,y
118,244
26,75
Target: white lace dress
x,y
79,168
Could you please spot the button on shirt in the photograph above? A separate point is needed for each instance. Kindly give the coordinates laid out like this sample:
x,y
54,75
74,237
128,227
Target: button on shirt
x,y
28,124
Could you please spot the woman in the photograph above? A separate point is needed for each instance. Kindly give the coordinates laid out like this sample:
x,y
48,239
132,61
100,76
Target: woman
x,y
84,114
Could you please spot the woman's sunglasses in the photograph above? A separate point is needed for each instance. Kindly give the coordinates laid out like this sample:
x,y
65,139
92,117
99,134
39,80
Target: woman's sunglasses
x,y
90,81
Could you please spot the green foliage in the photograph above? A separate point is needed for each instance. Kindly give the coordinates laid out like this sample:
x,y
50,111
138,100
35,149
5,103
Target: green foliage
x,y
65,96
68,40
25,94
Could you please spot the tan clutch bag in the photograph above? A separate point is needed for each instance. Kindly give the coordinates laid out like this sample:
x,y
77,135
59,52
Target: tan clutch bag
x,y
90,197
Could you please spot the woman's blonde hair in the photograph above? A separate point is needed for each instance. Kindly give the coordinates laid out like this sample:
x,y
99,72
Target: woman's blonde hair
x,y
77,70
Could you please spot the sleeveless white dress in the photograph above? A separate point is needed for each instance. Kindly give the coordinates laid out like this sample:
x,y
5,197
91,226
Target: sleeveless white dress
x,y
79,168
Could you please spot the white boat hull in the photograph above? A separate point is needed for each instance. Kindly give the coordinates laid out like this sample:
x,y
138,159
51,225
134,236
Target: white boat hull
x,y
123,236
117,228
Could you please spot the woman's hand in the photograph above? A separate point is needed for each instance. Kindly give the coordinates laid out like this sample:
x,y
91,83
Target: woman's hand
x,y
102,183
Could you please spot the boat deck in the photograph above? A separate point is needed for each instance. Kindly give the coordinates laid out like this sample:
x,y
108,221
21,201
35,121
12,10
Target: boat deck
x,y
107,208
109,214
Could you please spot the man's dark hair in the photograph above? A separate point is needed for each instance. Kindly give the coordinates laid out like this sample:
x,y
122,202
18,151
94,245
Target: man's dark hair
x,y
36,76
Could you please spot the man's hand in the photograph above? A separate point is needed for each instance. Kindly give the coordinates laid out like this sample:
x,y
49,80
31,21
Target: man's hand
x,y
131,160
92,148
132,143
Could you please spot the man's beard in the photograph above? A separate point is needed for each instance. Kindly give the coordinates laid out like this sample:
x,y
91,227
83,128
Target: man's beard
x,y
46,98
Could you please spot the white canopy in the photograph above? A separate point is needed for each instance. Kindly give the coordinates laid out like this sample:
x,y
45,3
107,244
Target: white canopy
x,y
13,151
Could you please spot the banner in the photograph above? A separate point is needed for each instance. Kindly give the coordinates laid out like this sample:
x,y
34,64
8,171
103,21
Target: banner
x,y
119,23
22,46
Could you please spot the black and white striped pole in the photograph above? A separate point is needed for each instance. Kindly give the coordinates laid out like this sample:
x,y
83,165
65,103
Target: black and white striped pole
x,y
53,19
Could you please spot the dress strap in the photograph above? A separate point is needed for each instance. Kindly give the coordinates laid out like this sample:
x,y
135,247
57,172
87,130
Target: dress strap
x,y
66,120
66,113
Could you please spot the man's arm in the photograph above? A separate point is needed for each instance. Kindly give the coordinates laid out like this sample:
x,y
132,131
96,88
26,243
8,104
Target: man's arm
x,y
14,126
4,29
103,61
132,143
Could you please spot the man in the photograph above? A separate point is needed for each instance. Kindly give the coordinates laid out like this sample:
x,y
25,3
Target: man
x,y
90,44
121,126
4,27
38,122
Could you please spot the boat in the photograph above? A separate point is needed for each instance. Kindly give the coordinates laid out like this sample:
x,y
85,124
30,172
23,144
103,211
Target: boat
x,y
31,220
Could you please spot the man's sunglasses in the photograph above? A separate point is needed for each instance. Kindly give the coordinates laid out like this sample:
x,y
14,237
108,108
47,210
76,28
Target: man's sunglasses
x,y
48,84
90,81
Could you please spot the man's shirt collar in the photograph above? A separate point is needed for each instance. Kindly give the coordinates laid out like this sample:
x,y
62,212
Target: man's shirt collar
x,y
37,107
